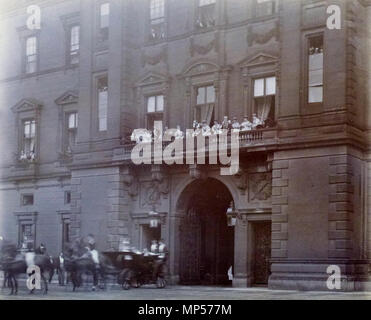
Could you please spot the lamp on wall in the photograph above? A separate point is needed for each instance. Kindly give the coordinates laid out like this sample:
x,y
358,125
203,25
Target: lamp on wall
x,y
231,215
153,214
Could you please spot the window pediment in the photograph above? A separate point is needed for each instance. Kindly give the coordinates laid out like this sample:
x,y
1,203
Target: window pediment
x,y
259,59
200,67
151,79
27,105
68,97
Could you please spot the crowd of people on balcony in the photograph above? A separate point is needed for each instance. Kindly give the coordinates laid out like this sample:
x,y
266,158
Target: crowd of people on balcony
x,y
204,129
27,156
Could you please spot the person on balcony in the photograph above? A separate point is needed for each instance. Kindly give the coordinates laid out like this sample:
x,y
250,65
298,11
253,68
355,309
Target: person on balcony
x,y
256,122
246,125
226,124
235,124
206,131
216,128
179,134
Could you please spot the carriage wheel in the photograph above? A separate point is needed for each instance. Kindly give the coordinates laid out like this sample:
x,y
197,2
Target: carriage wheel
x,y
126,285
135,283
160,283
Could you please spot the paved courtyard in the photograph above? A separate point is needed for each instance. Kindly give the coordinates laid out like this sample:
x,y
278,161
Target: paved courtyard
x,y
181,292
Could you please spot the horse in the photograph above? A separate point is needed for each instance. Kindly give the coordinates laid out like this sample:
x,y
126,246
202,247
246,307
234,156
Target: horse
x,y
80,259
13,265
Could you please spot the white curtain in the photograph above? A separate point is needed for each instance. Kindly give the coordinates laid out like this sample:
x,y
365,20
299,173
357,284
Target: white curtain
x,y
263,107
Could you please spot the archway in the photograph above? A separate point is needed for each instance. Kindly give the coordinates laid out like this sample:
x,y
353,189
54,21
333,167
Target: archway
x,y
206,233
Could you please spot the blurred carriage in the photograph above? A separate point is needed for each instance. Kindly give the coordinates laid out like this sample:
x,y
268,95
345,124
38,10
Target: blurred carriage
x,y
138,268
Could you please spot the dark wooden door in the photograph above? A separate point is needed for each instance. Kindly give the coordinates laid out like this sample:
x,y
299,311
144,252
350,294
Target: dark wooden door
x,y
190,248
262,252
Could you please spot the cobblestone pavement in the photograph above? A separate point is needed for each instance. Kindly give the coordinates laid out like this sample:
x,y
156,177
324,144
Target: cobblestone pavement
x,y
180,292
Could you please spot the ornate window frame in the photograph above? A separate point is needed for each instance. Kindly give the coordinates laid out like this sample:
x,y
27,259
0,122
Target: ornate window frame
x,y
149,24
66,103
152,84
306,107
25,218
27,109
101,44
24,33
261,65
64,217
69,21
203,73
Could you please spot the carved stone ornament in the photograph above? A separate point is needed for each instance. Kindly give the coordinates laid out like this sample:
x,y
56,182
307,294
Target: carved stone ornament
x,y
204,49
262,38
154,59
241,180
197,172
130,182
260,186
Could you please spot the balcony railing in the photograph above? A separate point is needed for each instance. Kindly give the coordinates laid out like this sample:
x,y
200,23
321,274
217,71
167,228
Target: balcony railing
x,y
252,138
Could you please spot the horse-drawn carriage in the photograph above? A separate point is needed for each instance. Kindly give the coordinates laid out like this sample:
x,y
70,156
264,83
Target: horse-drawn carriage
x,y
138,268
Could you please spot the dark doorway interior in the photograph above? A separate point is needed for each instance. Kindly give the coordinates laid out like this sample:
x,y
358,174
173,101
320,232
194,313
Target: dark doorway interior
x,y
148,234
206,240
262,252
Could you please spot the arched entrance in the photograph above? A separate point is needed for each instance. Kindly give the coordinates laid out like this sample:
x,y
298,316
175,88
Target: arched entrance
x,y
206,233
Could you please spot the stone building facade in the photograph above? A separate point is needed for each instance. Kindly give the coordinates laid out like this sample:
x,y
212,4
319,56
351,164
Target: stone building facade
x,y
73,91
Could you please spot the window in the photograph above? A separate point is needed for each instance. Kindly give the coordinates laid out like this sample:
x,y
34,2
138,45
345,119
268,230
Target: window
x,y
74,44
205,104
157,19
65,232
155,108
206,14
265,8
26,236
27,199
29,137
104,20
264,98
315,70
102,103
72,119
67,197
31,54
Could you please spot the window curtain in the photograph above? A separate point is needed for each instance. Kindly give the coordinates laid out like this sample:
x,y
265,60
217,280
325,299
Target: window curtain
x,y
263,107
207,111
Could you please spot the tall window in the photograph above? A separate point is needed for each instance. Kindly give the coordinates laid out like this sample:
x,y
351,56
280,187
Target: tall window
x,y
265,7
31,54
72,119
74,44
206,14
102,103
29,136
205,104
155,108
65,232
104,20
157,19
315,70
264,98
27,235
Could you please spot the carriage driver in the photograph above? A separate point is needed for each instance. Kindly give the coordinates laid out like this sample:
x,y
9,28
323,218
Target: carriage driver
x,y
162,258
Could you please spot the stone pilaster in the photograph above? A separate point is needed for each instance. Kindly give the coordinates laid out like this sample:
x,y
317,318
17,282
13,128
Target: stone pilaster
x,y
75,224
340,207
280,183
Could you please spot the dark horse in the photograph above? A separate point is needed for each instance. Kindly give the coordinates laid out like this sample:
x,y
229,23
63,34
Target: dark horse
x,y
79,260
13,265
